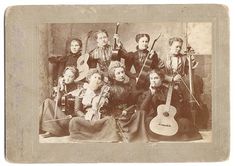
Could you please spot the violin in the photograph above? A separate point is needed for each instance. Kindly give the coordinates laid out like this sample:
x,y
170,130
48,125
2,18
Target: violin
x,y
98,102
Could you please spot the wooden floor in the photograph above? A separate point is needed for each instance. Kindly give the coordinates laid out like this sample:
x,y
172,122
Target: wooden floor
x,y
206,135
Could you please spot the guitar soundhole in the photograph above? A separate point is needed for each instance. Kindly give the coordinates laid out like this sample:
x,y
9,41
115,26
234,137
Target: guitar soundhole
x,y
82,62
166,114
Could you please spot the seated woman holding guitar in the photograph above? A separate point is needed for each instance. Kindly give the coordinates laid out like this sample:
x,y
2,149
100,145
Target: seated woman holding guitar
x,y
91,124
56,113
164,112
104,53
142,60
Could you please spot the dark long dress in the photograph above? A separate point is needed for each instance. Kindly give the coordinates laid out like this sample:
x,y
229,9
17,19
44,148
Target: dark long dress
x,y
101,130
47,111
131,126
149,103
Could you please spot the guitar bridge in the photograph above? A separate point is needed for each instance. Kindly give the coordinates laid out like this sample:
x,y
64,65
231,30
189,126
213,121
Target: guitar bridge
x,y
165,125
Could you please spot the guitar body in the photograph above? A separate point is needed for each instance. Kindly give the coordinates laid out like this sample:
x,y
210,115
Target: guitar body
x,y
164,123
82,66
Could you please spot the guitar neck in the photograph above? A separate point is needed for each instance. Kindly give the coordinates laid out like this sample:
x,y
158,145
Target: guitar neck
x,y
169,94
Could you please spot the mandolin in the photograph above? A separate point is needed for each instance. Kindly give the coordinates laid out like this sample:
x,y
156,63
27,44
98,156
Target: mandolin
x,y
141,79
164,123
82,65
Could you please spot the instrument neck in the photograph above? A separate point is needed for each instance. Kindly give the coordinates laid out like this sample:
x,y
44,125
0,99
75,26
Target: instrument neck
x,y
191,87
169,94
115,40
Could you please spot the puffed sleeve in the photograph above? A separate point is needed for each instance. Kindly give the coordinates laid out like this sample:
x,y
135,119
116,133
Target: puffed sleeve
x,y
78,106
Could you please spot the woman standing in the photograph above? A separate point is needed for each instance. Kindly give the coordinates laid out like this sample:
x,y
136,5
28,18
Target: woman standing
x,y
137,58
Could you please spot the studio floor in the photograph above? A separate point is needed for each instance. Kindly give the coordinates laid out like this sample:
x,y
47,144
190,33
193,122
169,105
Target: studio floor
x,y
206,137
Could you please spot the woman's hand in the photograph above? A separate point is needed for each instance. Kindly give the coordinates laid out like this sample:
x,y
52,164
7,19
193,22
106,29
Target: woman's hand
x,y
177,78
116,36
61,84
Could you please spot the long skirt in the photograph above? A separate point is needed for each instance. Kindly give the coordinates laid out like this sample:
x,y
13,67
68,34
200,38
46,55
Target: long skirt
x,y
57,128
102,130
133,129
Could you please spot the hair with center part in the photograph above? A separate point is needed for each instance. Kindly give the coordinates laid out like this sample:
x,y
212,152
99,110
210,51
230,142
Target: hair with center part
x,y
173,39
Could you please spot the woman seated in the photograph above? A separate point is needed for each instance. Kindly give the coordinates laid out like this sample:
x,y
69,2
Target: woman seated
x,y
91,124
122,102
54,114
158,95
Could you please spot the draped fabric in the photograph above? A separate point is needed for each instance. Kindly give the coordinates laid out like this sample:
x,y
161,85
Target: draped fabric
x,y
57,128
103,130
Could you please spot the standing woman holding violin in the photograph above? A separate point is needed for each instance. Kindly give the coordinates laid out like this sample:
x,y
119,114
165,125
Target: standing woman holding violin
x,y
90,105
104,53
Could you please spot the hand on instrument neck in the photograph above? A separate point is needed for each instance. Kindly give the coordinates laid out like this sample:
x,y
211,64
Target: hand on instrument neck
x,y
118,42
152,89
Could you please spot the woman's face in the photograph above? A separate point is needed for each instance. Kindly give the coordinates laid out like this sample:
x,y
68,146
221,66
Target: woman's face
x,y
143,43
155,80
95,81
68,77
74,46
175,48
119,74
102,39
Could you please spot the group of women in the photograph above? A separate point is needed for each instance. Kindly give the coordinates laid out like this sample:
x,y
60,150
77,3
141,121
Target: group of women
x,y
107,106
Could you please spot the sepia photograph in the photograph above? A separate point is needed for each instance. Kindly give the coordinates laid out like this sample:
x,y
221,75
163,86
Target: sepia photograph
x,y
90,80
125,82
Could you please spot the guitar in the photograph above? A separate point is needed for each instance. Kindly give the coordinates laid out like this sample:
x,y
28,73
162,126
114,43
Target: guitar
x,y
82,65
93,113
141,79
164,123
115,50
